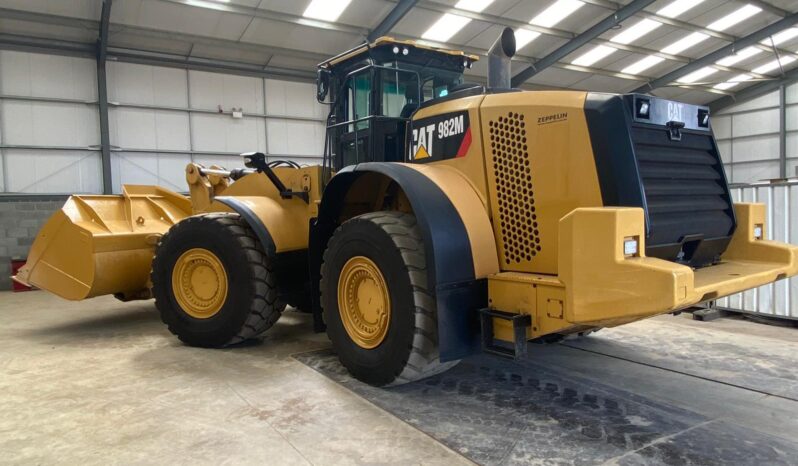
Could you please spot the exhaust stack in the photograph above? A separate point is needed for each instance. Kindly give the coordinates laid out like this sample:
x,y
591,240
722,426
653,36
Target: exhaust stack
x,y
499,55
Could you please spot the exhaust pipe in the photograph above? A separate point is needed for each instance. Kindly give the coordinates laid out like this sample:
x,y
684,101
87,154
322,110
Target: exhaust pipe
x,y
499,55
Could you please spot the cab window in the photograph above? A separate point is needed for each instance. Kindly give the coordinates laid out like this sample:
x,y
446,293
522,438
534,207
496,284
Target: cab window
x,y
358,101
400,93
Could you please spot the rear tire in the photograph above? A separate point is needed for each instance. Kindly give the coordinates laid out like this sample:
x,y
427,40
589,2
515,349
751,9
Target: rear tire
x,y
249,304
408,351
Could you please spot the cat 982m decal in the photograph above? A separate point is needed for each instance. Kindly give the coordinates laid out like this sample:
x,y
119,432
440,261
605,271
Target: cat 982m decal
x,y
439,137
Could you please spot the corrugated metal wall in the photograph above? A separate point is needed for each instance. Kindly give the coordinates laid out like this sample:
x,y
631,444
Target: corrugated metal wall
x,y
160,119
779,299
750,140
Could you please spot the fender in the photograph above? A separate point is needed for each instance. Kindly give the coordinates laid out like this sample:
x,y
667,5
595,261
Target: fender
x,y
460,248
252,220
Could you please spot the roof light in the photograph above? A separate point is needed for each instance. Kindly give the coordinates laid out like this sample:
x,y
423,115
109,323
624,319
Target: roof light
x,y
775,64
524,37
698,75
326,10
678,7
549,17
724,86
557,12
726,22
635,32
734,17
450,23
733,82
445,27
685,43
642,65
473,5
747,52
783,36
595,54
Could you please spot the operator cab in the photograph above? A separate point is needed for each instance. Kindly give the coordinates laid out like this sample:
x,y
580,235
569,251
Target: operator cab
x,y
374,89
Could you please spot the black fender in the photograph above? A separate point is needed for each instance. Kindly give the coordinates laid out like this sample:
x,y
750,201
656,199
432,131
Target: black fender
x,y
252,220
459,295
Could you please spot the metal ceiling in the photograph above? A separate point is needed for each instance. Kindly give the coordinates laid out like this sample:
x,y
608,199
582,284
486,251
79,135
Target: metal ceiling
x,y
272,38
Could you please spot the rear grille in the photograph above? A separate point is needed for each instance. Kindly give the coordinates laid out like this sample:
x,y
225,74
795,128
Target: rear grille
x,y
514,189
683,185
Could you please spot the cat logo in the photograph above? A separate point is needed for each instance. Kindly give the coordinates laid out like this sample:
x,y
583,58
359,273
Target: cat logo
x,y
439,137
421,153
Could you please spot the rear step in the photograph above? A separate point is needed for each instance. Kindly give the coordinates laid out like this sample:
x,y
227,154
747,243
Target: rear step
x,y
519,322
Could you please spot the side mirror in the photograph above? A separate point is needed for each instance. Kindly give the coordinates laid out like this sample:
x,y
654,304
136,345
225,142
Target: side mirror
x,y
322,84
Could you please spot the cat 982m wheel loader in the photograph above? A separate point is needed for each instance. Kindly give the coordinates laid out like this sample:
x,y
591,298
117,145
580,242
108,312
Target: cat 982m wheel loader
x,y
447,218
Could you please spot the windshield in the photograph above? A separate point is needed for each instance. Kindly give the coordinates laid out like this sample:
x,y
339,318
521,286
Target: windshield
x,y
435,82
409,85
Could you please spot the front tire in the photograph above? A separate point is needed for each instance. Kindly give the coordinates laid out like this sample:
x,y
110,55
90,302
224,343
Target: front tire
x,y
213,283
381,316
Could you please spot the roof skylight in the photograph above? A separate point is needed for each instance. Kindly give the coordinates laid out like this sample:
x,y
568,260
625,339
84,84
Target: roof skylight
x,y
449,24
595,54
326,10
678,7
685,43
735,17
743,54
774,65
632,33
698,75
782,36
549,17
555,13
733,82
642,65
696,38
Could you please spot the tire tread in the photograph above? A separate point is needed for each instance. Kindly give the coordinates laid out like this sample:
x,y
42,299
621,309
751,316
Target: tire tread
x,y
265,308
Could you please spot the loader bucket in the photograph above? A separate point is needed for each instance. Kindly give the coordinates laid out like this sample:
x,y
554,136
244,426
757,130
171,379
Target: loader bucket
x,y
97,245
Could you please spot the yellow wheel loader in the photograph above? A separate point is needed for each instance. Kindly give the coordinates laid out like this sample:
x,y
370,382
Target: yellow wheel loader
x,y
447,218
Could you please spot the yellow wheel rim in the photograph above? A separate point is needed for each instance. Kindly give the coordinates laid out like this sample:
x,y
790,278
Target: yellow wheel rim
x,y
199,283
363,302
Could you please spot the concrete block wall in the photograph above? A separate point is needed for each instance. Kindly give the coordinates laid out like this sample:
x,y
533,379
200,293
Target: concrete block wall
x,y
20,221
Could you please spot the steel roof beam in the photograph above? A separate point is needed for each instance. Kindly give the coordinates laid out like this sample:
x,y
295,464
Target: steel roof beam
x,y
596,30
80,49
52,46
711,58
102,95
391,19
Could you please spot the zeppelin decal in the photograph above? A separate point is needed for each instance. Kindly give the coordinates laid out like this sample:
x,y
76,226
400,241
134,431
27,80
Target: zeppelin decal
x,y
546,119
441,137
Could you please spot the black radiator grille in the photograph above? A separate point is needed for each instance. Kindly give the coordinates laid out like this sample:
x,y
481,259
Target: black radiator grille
x,y
683,185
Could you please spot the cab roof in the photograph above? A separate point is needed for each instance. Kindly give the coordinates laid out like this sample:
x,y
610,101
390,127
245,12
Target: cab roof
x,y
390,41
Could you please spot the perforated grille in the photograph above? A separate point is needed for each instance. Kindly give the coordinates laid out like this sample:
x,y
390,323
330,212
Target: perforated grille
x,y
516,199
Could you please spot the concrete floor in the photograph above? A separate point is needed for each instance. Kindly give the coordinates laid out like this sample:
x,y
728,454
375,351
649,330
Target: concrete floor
x,y
104,382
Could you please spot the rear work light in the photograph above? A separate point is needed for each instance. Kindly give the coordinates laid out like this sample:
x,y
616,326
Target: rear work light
x,y
642,108
703,118
631,247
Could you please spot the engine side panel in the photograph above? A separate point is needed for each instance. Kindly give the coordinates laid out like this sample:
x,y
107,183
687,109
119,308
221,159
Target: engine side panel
x,y
540,167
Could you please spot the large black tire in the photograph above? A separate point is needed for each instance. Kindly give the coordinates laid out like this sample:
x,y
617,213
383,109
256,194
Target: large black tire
x,y
252,304
409,350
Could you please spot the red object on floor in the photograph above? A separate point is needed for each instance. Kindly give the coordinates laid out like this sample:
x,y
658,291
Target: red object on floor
x,y
15,266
